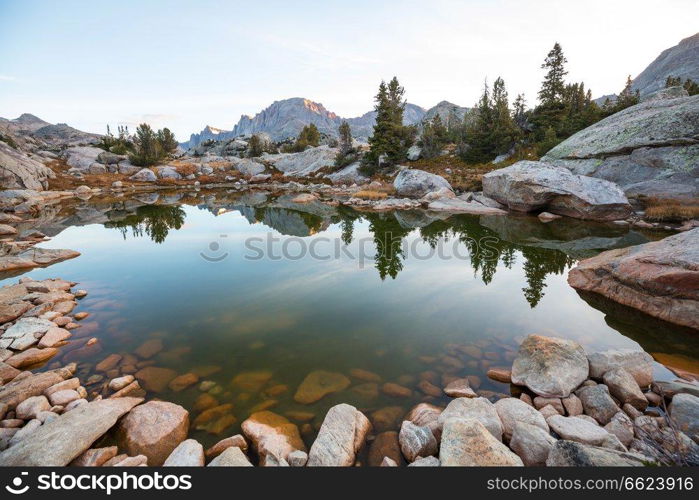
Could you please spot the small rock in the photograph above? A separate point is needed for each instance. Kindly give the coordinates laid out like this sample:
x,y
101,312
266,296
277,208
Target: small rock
x,y
231,457
531,443
459,388
500,375
684,412
622,427
272,433
396,390
598,403
181,382
512,410
238,441
578,430
466,442
189,453
638,363
573,405
572,454
297,458
425,462
119,383
31,407
416,441
622,385
95,457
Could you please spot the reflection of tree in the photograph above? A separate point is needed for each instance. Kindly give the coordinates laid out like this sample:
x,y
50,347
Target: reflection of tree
x,y
388,236
155,221
346,218
487,250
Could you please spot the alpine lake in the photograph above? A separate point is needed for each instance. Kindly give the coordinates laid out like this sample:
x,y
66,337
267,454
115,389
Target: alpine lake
x,y
251,292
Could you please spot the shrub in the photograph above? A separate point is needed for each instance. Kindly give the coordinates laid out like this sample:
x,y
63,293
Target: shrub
x,y
662,210
367,194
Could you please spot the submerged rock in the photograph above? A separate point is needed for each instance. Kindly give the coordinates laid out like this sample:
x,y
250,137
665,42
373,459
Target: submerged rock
x,y
659,278
318,384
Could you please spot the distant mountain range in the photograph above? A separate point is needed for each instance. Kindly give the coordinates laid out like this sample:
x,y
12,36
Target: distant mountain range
x,y
30,130
285,119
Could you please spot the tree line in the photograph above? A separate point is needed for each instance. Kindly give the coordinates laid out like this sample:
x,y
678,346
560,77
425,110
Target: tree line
x,y
144,148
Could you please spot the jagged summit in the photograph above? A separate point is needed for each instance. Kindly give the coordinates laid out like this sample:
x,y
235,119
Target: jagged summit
x,y
285,118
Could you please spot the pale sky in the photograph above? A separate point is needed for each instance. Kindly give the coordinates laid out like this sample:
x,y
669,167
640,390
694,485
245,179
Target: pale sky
x,y
188,64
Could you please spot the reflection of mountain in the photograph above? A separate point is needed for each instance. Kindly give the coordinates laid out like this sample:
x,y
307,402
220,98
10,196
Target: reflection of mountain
x,y
653,335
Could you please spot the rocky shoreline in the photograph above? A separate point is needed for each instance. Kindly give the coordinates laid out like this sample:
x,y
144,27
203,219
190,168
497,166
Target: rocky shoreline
x,y
566,407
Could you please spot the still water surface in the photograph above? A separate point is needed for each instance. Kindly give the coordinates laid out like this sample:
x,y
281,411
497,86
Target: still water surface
x,y
184,275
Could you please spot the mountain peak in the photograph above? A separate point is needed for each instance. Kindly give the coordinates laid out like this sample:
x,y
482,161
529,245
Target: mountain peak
x,y
679,61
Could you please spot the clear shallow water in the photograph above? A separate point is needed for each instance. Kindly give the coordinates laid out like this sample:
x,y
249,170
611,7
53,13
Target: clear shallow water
x,y
183,274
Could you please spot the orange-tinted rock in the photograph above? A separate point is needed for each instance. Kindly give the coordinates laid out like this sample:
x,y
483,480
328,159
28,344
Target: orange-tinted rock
x,y
31,357
153,429
318,384
500,375
364,375
660,278
272,433
385,445
237,441
251,381
181,382
108,363
396,391
149,348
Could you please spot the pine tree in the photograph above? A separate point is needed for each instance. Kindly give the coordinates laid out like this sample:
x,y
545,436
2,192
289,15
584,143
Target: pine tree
x,y
147,149
256,146
478,127
167,141
504,131
627,97
346,153
553,85
433,139
520,112
390,140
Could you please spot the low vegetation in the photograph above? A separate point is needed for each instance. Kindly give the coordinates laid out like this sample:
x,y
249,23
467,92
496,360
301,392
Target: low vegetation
x,y
689,85
663,210
309,136
370,194
145,148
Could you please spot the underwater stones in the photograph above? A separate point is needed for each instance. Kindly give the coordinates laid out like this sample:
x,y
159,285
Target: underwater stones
x,y
251,381
549,366
318,384
181,382
396,390
149,348
364,375
387,418
385,445
272,433
154,378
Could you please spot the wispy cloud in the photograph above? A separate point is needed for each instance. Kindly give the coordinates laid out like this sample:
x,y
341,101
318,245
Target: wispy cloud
x,y
7,78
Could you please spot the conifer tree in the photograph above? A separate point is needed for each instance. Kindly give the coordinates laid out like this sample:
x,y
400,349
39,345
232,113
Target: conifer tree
x,y
390,140
346,153
553,85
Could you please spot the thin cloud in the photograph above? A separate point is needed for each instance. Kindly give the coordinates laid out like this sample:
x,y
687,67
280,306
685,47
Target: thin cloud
x,y
7,78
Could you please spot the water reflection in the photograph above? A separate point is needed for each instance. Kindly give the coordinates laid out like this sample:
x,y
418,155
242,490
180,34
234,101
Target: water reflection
x,y
154,221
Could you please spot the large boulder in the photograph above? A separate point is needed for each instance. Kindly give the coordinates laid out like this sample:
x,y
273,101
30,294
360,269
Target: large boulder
x,y
529,186
248,167
82,157
341,436
153,429
57,442
659,278
550,366
648,149
348,175
418,183
144,175
18,171
638,363
304,163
